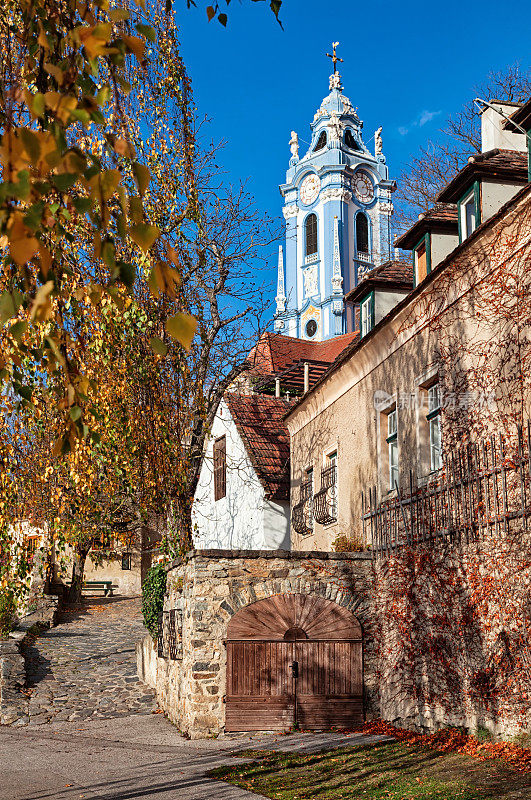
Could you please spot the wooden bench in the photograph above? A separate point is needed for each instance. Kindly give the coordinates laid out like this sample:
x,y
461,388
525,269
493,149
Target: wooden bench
x,y
105,586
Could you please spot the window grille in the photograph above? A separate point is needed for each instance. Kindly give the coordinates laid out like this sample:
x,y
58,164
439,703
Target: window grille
x,y
325,500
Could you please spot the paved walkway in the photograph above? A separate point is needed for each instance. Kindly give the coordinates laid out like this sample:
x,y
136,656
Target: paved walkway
x,y
140,758
92,734
85,667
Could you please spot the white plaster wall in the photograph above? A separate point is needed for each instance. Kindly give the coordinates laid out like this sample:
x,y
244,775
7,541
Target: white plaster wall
x,y
276,525
492,133
384,302
442,245
243,519
494,196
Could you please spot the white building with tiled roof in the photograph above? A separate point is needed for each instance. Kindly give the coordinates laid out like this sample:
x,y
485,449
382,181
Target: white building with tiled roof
x,y
242,498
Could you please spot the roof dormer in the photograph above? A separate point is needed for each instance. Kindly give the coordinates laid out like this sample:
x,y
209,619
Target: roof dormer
x,y
483,186
379,292
431,238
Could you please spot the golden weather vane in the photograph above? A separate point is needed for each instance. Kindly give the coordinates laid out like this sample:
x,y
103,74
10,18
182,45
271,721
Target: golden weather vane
x,y
334,57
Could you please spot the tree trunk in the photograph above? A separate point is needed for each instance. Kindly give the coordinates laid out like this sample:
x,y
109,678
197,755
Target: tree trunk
x,y
73,592
183,519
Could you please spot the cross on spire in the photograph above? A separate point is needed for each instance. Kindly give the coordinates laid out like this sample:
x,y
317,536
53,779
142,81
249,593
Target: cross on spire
x,y
334,57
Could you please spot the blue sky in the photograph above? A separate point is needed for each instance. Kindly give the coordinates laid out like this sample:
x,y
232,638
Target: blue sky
x,y
407,65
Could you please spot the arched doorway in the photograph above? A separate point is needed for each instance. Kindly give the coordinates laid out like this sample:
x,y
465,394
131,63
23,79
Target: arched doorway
x,y
293,659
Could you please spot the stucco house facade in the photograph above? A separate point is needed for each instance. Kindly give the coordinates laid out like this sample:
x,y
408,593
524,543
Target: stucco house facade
x,y
242,498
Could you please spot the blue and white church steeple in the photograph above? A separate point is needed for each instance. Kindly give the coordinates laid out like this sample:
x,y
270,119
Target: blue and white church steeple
x,y
337,210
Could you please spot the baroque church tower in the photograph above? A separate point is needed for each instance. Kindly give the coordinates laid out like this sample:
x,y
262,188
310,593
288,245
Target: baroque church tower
x,y
337,211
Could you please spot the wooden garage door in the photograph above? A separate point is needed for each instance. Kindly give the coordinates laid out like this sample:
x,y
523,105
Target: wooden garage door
x,y
323,640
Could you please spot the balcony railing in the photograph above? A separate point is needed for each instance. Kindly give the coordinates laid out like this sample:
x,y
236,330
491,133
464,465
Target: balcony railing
x,y
302,512
325,500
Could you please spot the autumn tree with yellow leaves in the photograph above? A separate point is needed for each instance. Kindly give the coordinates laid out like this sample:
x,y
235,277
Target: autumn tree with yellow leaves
x,y
117,244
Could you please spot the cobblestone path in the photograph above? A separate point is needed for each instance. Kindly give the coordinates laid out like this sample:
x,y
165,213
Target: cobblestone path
x,y
85,668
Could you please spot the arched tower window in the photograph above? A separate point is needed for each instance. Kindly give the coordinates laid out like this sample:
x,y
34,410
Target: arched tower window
x,y
362,233
311,234
350,141
321,142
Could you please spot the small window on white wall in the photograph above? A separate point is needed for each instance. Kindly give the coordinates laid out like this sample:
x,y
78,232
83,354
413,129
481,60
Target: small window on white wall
x,y
434,426
366,313
469,220
392,445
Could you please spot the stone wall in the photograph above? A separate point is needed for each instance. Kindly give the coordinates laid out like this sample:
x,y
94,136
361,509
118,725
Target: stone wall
x,y
210,586
13,704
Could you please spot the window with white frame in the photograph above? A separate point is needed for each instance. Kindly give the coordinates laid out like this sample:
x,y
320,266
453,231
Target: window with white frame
x,y
434,426
469,220
366,315
392,445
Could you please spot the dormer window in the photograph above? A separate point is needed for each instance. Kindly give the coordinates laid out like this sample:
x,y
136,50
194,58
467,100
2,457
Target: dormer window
x,y
421,254
367,314
350,141
321,142
311,235
469,213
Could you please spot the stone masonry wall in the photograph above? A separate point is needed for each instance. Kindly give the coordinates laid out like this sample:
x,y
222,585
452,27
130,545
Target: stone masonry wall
x,y
210,586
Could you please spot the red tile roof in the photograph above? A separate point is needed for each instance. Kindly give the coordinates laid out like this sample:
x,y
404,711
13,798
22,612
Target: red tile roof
x,y
509,166
259,421
275,353
442,217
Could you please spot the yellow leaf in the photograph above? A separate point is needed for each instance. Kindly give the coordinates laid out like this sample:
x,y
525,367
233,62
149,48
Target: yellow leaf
x,y
105,183
13,154
166,278
135,45
22,245
136,209
144,235
182,327
45,258
41,307
142,177
158,346
93,38
121,146
118,14
55,72
60,105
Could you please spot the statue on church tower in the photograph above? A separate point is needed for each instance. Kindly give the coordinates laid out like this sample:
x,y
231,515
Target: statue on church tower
x,y
378,142
336,209
294,146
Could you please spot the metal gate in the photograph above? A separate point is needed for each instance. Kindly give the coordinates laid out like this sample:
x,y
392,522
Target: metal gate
x,y
295,676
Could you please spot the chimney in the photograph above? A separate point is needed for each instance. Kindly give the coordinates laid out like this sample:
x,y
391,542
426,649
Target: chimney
x,y
492,133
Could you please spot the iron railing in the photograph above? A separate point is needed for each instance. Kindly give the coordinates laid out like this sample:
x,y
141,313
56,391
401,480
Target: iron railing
x,y
302,512
482,487
325,500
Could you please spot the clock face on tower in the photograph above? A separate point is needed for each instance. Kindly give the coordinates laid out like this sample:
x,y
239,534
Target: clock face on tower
x,y
309,189
363,188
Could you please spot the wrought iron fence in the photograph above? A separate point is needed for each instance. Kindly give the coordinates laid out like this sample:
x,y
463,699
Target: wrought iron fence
x,y
325,500
302,512
482,486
